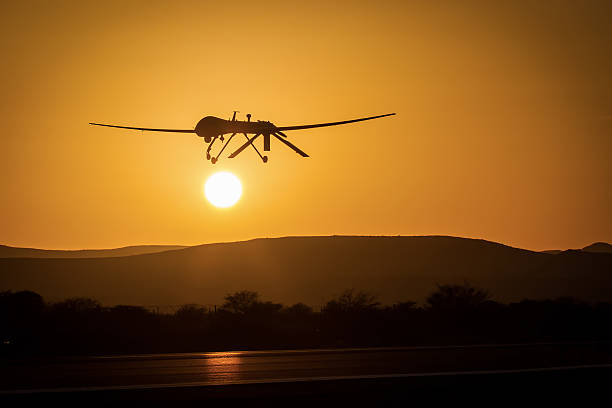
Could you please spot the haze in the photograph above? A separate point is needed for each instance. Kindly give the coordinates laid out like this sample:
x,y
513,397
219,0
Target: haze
x,y
503,126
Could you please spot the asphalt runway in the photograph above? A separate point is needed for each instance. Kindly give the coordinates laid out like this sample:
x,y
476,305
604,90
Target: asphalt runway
x,y
142,372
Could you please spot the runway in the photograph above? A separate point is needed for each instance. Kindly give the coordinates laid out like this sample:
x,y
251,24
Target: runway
x,y
132,372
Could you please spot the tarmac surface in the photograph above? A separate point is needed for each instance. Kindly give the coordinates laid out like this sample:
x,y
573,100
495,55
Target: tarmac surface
x,y
312,374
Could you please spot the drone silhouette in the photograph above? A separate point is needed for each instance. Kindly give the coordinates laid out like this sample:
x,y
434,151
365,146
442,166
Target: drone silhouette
x,y
212,128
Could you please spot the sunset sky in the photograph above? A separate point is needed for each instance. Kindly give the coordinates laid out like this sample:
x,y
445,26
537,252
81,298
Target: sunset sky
x,y
503,128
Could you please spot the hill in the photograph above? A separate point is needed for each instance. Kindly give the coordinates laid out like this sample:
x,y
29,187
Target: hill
x,y
14,252
596,247
599,247
313,269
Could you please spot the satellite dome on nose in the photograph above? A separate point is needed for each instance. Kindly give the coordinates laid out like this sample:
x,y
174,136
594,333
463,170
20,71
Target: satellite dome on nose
x,y
209,127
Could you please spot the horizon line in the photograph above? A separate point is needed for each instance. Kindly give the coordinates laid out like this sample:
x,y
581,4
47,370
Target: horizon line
x,y
185,246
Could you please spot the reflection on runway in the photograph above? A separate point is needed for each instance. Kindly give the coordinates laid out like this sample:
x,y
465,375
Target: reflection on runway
x,y
224,366
219,368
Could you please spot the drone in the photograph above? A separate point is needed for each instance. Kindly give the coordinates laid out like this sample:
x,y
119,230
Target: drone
x,y
212,128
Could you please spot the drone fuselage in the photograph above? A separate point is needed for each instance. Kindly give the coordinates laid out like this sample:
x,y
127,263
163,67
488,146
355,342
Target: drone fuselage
x,y
211,127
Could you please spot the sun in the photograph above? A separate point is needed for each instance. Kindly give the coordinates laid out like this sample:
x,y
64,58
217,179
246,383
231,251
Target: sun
x,y
223,189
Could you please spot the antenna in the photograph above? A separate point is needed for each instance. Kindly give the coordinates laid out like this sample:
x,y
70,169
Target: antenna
x,y
234,117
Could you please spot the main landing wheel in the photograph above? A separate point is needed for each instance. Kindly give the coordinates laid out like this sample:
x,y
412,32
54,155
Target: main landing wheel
x,y
207,156
265,159
213,160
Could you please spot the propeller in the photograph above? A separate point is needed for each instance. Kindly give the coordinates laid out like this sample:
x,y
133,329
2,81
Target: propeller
x,y
291,145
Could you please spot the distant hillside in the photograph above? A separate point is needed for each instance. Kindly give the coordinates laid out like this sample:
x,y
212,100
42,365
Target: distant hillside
x,y
596,247
13,252
313,269
599,247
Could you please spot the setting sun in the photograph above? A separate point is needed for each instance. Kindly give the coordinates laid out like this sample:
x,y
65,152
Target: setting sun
x,y
223,189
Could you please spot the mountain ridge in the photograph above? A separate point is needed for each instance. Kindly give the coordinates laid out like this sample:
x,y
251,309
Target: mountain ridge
x,y
7,251
598,247
314,269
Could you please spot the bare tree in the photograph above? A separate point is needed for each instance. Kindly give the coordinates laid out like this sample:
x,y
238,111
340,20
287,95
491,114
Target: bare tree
x,y
351,301
241,302
190,312
456,297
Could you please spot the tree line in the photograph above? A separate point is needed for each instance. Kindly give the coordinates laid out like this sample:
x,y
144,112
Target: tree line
x,y
451,314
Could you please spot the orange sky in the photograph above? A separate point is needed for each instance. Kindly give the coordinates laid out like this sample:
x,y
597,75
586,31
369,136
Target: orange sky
x,y
504,126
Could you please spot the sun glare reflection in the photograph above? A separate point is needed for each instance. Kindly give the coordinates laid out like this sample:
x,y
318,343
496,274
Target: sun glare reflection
x,y
223,366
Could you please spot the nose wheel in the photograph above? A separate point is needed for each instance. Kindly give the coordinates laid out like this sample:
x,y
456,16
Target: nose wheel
x,y
210,145
265,159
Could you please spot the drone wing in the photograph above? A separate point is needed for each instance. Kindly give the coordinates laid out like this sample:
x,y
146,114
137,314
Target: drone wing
x,y
147,129
331,123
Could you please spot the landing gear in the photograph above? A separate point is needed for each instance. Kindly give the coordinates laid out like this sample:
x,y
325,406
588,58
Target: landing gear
x,y
214,159
249,141
263,158
210,145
